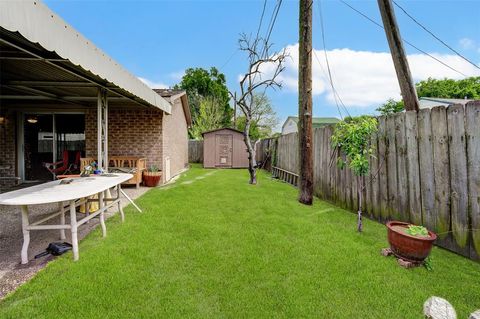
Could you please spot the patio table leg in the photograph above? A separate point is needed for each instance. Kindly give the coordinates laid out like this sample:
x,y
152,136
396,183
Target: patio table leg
x,y
73,225
62,220
130,200
26,234
101,202
120,209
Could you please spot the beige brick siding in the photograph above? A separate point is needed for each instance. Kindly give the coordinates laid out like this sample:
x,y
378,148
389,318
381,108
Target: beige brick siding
x,y
175,138
131,132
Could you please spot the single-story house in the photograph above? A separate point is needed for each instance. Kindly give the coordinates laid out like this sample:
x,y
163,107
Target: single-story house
x,y
62,97
429,102
291,123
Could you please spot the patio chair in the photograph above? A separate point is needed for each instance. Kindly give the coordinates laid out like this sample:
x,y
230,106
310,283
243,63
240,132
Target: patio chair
x,y
65,166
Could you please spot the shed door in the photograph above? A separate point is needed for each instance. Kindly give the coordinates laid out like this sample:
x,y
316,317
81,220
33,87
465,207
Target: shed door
x,y
223,150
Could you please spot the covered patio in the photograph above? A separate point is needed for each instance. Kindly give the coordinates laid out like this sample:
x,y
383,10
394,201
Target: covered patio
x,y
56,92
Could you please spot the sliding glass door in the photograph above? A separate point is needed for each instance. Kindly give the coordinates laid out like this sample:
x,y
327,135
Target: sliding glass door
x,y
52,144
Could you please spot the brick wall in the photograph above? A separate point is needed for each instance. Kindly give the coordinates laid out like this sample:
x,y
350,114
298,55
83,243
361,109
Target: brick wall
x,y
175,138
7,150
131,132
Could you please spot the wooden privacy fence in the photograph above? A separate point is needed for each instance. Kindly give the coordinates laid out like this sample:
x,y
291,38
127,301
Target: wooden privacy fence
x,y
195,151
426,171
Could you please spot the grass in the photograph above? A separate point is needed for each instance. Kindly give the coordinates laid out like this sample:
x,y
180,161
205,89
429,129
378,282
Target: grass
x,y
213,246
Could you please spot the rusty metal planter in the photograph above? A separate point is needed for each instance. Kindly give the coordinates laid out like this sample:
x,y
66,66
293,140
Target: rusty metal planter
x,y
407,247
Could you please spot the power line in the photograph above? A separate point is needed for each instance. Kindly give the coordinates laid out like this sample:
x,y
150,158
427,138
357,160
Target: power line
x,y
273,19
261,19
433,35
407,42
334,91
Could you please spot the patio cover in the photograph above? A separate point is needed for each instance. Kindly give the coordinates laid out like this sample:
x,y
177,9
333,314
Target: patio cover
x,y
44,58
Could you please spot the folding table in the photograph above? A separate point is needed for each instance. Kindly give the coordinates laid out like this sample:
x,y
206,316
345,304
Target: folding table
x,y
75,192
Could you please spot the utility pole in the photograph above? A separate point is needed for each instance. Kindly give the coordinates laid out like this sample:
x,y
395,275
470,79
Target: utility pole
x,y
400,62
235,110
305,140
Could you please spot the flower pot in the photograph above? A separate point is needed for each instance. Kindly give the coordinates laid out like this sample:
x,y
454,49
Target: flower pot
x,y
406,246
151,179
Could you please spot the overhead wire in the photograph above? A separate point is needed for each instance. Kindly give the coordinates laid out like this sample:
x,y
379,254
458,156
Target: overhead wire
x,y
407,42
336,96
433,35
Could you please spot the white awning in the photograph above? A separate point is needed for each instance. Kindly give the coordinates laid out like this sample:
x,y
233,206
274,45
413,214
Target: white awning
x,y
38,24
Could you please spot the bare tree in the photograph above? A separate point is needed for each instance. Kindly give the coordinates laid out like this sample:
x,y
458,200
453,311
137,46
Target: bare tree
x,y
262,73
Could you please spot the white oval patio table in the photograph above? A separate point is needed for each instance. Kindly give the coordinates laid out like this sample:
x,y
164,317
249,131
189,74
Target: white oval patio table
x,y
74,191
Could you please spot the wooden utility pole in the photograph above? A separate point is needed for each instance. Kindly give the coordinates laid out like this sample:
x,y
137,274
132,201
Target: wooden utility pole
x,y
235,110
400,62
305,139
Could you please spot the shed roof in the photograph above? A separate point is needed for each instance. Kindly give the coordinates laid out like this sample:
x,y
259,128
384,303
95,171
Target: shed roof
x,y
223,128
34,38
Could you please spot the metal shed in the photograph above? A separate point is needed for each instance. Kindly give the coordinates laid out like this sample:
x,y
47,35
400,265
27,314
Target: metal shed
x,y
224,148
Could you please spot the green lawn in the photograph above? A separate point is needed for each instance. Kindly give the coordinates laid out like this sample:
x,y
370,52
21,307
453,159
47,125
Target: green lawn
x,y
213,246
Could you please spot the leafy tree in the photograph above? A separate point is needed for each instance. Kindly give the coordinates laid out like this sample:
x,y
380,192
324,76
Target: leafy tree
x,y
210,116
199,84
447,88
263,118
352,137
391,106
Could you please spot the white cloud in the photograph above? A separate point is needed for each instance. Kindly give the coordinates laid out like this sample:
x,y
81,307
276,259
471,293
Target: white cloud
x,y
153,84
467,43
365,78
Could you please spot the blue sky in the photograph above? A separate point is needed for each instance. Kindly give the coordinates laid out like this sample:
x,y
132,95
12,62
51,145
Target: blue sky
x,y
157,40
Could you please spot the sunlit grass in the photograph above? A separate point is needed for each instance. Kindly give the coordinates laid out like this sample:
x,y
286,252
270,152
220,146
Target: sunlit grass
x,y
214,246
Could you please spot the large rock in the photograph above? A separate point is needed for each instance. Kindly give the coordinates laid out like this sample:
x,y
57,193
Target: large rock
x,y
475,315
438,308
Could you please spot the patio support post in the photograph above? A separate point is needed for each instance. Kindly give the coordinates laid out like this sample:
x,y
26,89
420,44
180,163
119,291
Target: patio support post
x,y
26,234
102,129
73,225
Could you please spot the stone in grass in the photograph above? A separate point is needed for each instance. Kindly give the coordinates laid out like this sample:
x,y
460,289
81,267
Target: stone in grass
x,y
475,315
438,308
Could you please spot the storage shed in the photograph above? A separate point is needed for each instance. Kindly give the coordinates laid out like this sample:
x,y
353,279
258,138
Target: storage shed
x,y
224,148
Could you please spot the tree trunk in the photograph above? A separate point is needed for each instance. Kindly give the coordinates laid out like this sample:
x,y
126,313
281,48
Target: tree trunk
x,y
305,104
359,192
252,163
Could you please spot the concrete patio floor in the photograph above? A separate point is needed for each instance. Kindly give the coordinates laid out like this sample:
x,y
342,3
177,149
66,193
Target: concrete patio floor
x,y
12,273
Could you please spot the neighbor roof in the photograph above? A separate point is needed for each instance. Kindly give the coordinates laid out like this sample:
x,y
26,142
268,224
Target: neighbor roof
x,y
60,48
429,102
316,121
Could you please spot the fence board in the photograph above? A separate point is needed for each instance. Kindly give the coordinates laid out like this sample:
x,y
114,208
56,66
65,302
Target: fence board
x,y
402,177
458,174
472,130
441,170
414,196
383,172
195,151
427,177
392,169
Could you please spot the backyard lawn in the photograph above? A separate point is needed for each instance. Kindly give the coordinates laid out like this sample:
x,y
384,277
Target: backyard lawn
x,y
213,246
